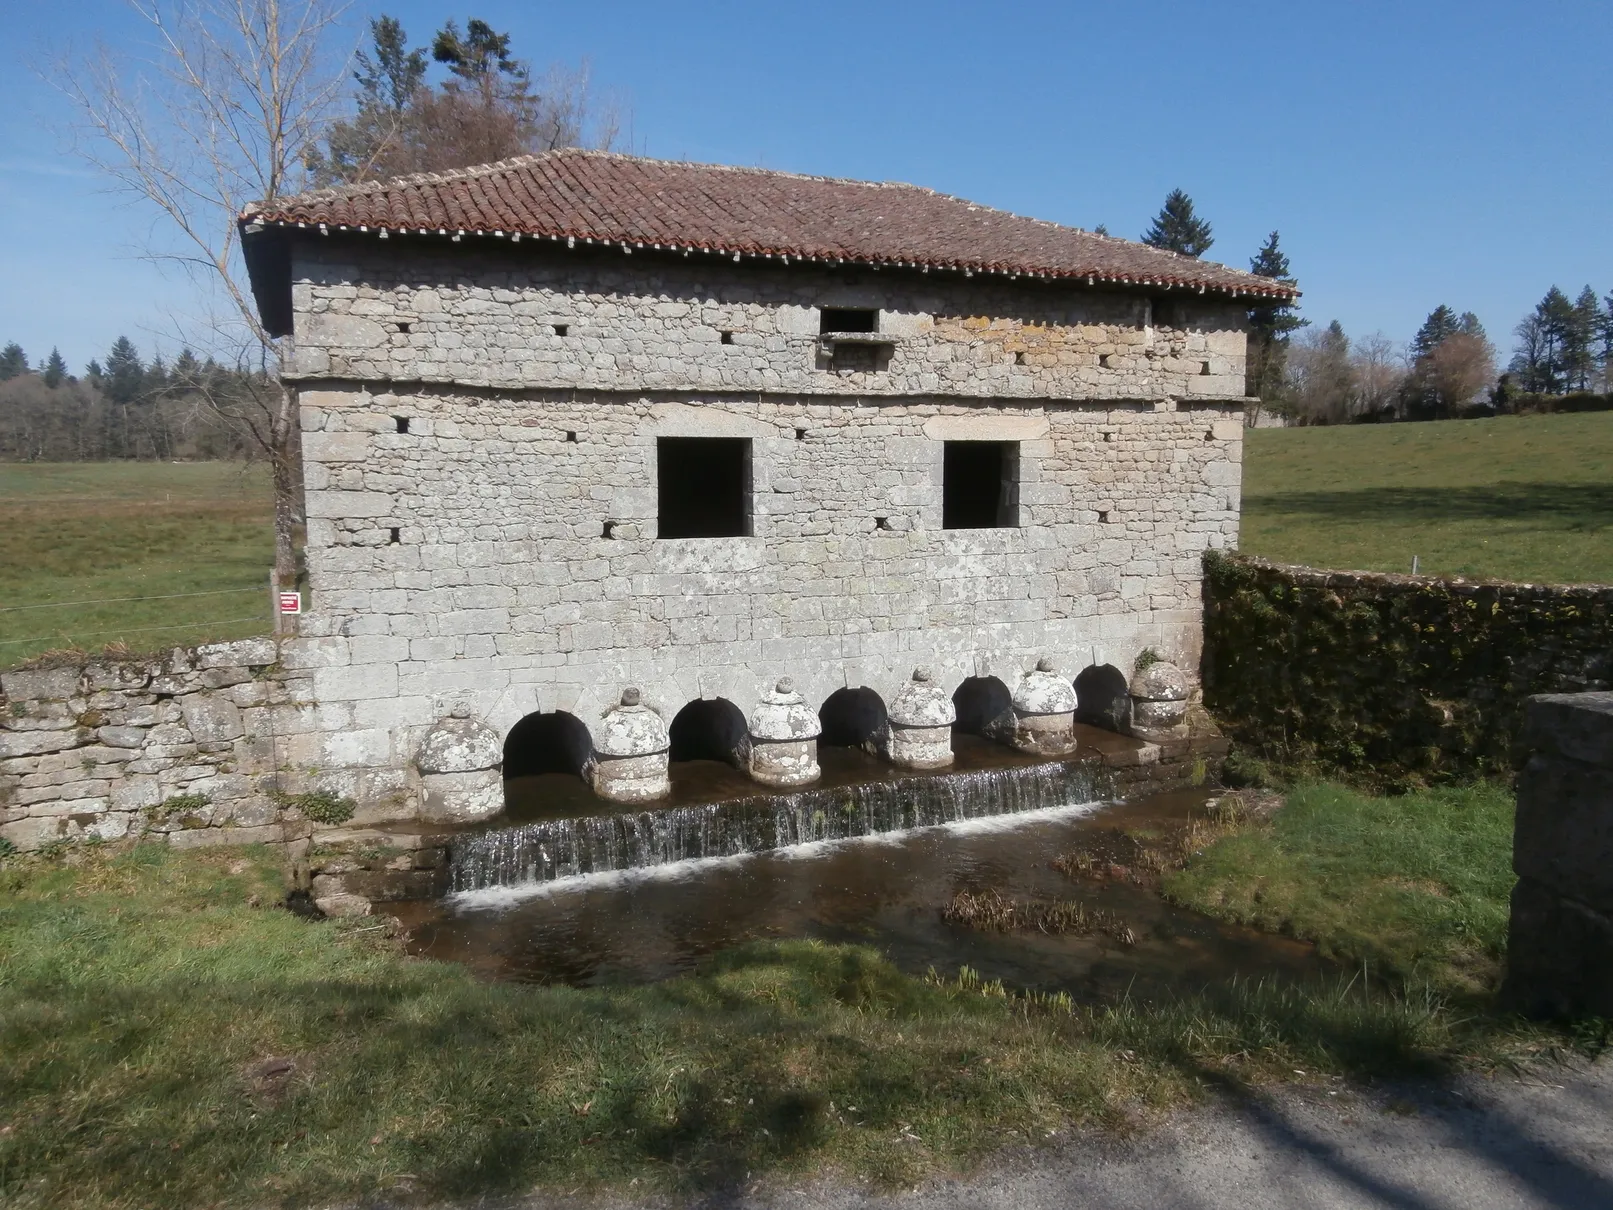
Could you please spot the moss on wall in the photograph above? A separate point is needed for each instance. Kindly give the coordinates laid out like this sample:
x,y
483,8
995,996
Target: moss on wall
x,y
1402,679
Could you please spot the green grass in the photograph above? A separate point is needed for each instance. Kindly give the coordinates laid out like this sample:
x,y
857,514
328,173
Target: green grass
x,y
1416,886
91,531
141,994
1517,497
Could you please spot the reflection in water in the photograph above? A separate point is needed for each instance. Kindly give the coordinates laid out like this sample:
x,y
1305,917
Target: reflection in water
x,y
885,891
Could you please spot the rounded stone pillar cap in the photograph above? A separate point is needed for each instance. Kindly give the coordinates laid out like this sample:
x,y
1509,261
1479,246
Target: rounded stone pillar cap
x,y
784,715
631,729
922,703
459,745
460,710
1042,691
1045,664
1159,682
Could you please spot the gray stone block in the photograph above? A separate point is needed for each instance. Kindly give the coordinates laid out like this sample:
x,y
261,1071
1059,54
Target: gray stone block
x,y
44,684
1576,725
1559,955
212,719
1563,836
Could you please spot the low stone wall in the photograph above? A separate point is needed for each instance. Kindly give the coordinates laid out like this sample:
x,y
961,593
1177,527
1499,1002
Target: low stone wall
x,y
1560,952
1399,677
181,747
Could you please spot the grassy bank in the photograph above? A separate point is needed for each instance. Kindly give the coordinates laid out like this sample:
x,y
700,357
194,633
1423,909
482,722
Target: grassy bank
x,y
174,1039
102,531
1517,497
1416,886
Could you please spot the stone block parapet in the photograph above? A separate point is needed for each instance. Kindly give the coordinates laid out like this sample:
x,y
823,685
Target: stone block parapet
x,y
1560,946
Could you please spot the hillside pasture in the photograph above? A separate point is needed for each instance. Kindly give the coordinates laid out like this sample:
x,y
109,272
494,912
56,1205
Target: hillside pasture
x,y
194,540
1515,497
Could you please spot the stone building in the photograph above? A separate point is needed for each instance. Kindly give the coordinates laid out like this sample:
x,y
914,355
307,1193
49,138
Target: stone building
x,y
580,423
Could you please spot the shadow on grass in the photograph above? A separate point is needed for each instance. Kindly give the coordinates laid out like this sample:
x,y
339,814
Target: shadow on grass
x,y
776,1057
1585,505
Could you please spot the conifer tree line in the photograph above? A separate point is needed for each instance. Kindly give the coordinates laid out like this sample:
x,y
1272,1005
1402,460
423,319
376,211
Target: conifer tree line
x,y
121,407
1564,351
489,106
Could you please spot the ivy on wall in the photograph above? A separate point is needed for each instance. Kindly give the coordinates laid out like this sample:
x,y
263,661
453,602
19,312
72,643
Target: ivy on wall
x,y
1402,679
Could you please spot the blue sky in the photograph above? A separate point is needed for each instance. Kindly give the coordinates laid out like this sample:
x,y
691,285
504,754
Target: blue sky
x,y
1410,153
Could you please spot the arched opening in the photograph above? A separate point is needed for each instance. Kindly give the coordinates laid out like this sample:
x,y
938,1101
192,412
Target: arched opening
x,y
547,743
1101,697
985,707
546,759
853,718
711,728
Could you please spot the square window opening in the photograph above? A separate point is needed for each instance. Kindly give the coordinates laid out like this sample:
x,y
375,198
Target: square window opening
x,y
395,536
846,319
800,434
571,436
703,487
727,338
980,485
403,328
561,329
402,423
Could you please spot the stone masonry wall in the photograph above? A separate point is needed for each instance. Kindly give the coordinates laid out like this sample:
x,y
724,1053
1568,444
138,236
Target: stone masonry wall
x,y
503,589
212,745
423,311
1560,949
1398,678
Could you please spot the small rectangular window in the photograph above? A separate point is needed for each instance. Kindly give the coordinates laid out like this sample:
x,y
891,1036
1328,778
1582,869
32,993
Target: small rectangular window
x,y
402,423
844,319
703,487
980,485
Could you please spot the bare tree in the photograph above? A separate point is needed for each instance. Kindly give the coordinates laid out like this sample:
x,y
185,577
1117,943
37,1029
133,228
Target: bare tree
x,y
224,111
1321,376
1380,370
1459,369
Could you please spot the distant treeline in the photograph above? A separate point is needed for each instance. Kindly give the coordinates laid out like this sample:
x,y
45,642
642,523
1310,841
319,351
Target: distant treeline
x,y
124,408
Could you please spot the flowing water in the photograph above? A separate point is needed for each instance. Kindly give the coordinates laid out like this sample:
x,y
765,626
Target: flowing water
x,y
640,896
844,806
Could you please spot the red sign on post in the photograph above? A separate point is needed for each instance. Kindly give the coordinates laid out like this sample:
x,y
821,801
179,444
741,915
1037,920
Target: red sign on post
x,y
291,602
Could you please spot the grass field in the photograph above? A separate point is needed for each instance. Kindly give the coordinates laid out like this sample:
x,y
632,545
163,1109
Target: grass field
x,y
1417,886
98,531
173,1038
1517,497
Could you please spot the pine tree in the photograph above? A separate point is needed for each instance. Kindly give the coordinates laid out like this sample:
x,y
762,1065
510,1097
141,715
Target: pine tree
x,y
1177,229
1579,341
93,371
1441,322
55,369
1101,229
1270,326
1607,342
375,141
13,361
124,372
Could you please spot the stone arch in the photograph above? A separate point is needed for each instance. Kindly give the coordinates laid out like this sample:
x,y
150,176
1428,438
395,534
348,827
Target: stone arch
x,y
555,742
1101,697
710,728
985,706
853,718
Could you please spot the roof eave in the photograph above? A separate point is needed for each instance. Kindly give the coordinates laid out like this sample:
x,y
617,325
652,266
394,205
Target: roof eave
x,y
253,217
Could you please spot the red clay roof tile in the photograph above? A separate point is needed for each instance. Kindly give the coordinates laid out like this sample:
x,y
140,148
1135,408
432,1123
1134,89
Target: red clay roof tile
x,y
604,197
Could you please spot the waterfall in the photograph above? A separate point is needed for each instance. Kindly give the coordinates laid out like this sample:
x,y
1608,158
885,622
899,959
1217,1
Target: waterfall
x,y
560,848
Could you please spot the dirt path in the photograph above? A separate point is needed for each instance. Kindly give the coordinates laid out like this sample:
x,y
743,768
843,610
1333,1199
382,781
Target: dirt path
x,y
1543,1141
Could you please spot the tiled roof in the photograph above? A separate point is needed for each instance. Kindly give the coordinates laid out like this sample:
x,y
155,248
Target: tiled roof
x,y
603,198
